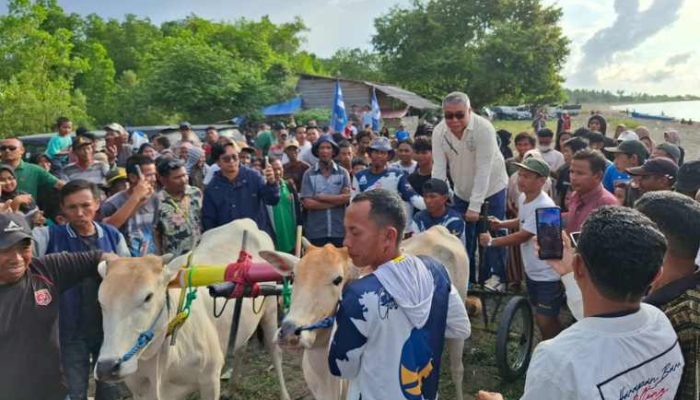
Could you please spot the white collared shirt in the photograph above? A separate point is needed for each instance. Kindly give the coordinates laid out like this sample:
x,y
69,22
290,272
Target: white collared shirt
x,y
476,165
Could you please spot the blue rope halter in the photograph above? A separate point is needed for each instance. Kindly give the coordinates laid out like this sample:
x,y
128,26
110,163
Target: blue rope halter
x,y
143,340
320,324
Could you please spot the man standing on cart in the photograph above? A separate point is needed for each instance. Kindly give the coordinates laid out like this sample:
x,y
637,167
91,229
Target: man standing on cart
x,y
465,145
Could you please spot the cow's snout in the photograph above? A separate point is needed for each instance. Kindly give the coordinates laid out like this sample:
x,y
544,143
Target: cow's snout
x,y
287,333
107,370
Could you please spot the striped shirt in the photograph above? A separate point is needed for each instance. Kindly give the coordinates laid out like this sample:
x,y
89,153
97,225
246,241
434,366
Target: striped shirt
x,y
95,172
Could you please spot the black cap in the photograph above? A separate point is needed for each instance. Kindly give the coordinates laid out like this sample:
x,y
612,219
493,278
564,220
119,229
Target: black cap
x,y
656,166
688,178
82,140
630,147
168,164
436,186
13,229
670,149
325,139
279,125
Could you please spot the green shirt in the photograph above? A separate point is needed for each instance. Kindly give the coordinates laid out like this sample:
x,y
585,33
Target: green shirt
x,y
264,141
31,178
283,219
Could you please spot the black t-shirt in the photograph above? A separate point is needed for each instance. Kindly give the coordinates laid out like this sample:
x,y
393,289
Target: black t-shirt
x,y
29,361
417,180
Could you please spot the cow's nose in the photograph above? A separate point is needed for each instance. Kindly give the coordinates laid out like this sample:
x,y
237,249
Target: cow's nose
x,y
288,329
107,369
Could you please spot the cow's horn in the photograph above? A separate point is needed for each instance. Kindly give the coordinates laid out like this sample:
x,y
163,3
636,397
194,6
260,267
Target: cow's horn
x,y
305,244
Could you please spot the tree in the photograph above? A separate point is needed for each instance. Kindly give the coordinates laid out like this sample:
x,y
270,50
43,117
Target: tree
x,y
354,64
97,83
36,72
510,50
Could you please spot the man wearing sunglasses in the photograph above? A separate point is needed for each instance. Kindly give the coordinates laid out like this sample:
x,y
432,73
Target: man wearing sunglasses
x,y
237,192
31,178
465,144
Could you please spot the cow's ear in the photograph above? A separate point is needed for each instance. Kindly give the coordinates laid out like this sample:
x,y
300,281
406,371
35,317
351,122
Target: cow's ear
x,y
172,265
167,257
102,269
284,263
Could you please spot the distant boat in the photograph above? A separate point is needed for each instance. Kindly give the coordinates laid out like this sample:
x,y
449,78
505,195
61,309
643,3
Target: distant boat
x,y
651,116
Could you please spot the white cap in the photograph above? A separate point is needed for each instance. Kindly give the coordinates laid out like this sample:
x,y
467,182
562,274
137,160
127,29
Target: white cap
x,y
627,135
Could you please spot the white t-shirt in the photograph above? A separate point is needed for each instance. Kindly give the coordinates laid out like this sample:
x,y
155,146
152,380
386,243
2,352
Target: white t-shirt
x,y
407,169
554,158
635,356
536,269
307,156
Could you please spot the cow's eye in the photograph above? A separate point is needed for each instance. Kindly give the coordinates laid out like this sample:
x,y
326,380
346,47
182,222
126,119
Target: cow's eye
x,y
148,298
337,280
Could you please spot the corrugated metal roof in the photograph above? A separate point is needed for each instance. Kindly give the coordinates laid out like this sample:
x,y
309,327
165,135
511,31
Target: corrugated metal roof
x,y
408,97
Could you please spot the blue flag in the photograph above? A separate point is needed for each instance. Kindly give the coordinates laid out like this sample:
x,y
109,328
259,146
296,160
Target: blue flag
x,y
376,112
339,117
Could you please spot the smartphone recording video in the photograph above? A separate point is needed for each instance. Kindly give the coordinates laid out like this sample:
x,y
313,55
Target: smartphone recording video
x,y
549,233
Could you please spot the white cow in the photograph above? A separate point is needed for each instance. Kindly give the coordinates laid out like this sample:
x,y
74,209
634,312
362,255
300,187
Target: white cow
x,y
315,297
133,298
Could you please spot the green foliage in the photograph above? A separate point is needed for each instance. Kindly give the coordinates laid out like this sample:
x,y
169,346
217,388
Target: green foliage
x,y
321,115
497,51
37,69
131,71
355,64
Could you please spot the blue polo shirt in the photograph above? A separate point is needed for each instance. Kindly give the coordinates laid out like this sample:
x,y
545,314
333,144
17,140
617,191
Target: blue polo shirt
x,y
324,223
244,197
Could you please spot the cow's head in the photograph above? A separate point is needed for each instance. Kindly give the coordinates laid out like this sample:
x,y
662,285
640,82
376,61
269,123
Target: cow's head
x,y
132,294
319,278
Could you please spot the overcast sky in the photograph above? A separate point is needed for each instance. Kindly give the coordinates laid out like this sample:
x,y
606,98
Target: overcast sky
x,y
634,45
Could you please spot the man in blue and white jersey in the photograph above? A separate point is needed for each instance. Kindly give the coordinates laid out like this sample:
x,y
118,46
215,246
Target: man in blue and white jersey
x,y
380,176
391,323
436,195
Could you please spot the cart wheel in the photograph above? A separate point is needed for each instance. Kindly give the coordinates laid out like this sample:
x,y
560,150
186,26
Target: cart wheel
x,y
514,338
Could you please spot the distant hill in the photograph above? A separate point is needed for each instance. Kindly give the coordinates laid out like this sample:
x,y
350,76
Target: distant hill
x,y
579,96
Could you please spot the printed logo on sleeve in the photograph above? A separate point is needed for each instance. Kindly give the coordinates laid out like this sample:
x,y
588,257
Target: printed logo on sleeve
x,y
42,297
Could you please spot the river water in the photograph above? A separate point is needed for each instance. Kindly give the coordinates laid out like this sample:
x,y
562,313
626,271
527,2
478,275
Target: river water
x,y
676,109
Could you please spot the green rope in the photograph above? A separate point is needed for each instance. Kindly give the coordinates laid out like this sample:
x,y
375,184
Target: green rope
x,y
286,295
191,291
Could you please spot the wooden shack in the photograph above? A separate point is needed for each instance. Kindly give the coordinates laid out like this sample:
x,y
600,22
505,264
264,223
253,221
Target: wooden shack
x,y
394,102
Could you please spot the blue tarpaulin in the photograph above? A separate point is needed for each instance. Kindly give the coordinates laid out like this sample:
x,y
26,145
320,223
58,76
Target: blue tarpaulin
x,y
285,108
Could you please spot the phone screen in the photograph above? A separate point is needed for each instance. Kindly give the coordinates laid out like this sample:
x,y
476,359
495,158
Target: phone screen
x,y
549,233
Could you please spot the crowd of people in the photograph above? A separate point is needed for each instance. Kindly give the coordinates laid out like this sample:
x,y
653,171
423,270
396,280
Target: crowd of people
x,y
134,197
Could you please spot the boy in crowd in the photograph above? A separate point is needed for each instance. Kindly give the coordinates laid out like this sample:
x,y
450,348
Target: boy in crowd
x,y
423,150
436,194
543,283
628,154
404,152
59,144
